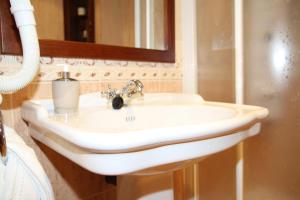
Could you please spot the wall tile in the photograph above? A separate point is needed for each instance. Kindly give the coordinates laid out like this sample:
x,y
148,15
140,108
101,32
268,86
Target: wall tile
x,y
70,181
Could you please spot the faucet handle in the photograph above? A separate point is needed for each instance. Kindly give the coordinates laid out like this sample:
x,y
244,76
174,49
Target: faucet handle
x,y
139,86
109,93
133,87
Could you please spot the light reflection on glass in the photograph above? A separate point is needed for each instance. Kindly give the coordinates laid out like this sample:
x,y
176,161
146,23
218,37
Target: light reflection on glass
x,y
279,54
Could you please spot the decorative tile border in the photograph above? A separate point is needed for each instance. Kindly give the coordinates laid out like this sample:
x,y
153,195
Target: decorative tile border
x,y
95,70
15,60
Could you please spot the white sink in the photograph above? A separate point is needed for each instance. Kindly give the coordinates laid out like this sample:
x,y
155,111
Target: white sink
x,y
156,133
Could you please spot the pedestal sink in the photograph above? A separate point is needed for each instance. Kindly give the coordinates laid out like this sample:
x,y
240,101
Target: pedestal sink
x,y
153,134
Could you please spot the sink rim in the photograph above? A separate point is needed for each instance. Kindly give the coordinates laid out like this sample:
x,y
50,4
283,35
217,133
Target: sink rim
x,y
132,141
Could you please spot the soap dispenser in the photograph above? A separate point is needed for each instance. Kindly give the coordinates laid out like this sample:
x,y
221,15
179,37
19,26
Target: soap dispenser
x,y
65,93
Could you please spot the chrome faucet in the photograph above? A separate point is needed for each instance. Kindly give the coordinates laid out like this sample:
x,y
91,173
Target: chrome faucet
x,y
133,89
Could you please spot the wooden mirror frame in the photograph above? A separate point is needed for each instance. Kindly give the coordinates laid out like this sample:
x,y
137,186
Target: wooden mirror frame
x,y
10,42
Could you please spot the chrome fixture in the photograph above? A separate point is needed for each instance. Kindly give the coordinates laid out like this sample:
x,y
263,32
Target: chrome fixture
x,y
133,89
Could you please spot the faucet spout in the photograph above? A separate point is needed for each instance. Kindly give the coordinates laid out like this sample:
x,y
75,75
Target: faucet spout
x,y
133,89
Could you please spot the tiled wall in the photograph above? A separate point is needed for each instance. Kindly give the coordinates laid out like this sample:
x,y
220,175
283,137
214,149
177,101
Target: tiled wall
x,y
69,180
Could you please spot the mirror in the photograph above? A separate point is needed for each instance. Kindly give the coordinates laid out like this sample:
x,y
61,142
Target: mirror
x,y
137,30
129,23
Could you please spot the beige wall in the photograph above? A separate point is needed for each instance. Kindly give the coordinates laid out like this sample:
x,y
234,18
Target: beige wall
x,y
216,83
272,79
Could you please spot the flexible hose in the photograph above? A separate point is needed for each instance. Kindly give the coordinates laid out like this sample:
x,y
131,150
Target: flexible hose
x,y
23,14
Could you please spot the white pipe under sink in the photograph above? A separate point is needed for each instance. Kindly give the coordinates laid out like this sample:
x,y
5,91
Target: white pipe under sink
x,y
23,14
21,175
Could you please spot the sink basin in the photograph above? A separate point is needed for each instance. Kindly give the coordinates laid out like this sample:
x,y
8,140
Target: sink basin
x,y
155,133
